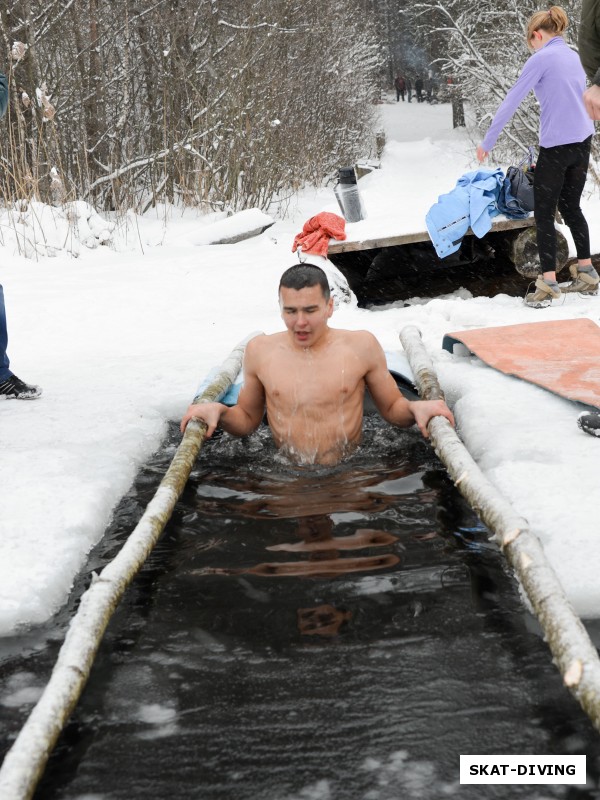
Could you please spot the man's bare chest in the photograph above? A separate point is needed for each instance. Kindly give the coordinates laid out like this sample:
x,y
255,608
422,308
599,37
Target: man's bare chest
x,y
303,379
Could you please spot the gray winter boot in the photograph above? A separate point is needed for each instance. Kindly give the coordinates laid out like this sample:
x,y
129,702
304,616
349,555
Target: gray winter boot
x,y
545,293
584,281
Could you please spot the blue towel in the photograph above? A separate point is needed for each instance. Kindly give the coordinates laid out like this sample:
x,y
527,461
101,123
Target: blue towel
x,y
471,204
231,395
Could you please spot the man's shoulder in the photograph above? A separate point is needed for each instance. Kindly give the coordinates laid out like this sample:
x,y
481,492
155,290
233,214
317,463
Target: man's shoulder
x,y
361,342
356,336
269,339
264,342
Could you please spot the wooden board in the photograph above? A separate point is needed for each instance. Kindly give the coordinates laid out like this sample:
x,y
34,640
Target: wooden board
x,y
352,246
561,356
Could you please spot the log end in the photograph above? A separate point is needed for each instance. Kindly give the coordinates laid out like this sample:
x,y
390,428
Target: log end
x,y
573,673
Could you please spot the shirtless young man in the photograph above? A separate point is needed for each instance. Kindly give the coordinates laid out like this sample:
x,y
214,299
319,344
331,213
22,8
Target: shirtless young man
x,y
312,380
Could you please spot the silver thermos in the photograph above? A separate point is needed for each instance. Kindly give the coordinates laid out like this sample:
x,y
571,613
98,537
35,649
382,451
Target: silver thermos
x,y
346,192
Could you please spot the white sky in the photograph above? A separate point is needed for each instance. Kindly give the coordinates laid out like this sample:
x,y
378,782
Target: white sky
x,y
120,338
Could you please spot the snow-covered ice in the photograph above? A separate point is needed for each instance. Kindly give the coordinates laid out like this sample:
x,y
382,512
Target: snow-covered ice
x,y
120,336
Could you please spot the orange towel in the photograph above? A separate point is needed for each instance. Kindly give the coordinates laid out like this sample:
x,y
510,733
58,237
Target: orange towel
x,y
317,232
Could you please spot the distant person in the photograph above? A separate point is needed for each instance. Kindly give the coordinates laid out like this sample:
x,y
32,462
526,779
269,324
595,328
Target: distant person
x,y
409,88
312,380
400,86
429,89
419,89
11,387
555,74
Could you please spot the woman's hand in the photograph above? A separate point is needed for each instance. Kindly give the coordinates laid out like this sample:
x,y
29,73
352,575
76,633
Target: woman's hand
x,y
481,154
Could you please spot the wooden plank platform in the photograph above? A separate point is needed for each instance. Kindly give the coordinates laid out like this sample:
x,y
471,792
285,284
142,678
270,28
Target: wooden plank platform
x,y
352,246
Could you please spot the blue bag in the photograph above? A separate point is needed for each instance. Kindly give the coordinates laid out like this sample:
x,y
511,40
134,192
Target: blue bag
x,y
520,183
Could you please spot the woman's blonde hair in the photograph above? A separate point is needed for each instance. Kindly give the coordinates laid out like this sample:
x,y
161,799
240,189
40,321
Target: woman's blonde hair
x,y
553,21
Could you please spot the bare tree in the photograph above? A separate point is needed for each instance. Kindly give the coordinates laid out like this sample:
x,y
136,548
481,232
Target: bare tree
x,y
218,103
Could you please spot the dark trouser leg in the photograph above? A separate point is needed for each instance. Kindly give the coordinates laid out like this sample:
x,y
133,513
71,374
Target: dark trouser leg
x,y
549,177
570,197
4,370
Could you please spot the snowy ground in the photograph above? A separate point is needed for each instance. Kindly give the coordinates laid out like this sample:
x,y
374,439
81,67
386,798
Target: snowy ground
x,y
120,338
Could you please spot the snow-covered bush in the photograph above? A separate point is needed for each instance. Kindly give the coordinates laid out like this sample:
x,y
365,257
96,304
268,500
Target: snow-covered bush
x,y
36,229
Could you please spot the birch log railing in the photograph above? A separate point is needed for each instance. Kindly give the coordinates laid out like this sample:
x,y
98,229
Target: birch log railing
x,y
573,652
24,763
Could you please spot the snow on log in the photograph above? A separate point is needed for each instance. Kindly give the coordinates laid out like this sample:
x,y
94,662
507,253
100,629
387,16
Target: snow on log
x,y
236,228
573,652
25,761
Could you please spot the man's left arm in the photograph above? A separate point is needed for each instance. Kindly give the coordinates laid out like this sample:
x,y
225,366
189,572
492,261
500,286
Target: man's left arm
x,y
424,411
389,400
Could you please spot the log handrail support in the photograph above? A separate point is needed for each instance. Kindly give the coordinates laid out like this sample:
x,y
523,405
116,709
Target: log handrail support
x,y
26,760
573,652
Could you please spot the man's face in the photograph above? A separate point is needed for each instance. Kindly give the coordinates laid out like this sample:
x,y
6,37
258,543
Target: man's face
x,y
305,313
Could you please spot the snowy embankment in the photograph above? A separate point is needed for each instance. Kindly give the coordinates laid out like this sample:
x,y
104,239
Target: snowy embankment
x,y
119,338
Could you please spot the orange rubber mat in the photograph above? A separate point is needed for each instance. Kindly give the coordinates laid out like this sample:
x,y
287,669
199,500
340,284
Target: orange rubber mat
x,y
562,356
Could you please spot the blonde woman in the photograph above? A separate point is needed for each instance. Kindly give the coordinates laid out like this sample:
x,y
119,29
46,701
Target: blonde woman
x,y
555,75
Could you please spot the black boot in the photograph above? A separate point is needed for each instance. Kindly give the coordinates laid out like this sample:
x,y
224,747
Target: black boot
x,y
589,422
15,389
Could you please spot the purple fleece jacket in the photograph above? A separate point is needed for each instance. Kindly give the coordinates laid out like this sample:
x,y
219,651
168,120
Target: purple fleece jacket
x,y
557,78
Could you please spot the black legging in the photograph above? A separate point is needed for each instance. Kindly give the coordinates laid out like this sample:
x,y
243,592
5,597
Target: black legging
x,y
560,175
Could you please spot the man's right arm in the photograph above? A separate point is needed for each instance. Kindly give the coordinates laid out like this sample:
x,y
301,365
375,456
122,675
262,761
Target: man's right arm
x,y
242,418
3,95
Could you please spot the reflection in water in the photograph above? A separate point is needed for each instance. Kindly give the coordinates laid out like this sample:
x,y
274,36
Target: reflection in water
x,y
316,533
324,568
325,559
362,538
321,621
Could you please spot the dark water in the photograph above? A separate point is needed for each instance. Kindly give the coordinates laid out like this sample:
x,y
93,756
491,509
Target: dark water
x,y
307,634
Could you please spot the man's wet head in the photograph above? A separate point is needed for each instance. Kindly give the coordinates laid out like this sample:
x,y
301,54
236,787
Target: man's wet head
x,y
306,303
302,276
